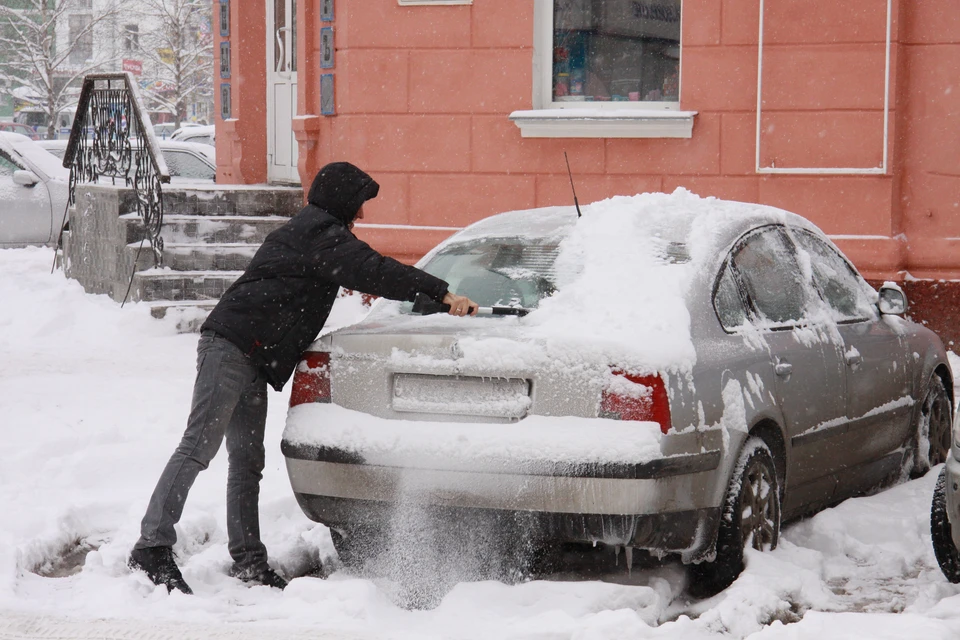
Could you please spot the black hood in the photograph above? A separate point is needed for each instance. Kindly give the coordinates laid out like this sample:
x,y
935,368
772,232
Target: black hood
x,y
340,189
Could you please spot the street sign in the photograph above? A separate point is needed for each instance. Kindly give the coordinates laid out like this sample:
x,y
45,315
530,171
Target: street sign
x,y
133,66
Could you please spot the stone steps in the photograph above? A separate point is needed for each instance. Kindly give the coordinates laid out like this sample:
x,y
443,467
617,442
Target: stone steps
x,y
197,256
153,285
185,229
188,315
210,234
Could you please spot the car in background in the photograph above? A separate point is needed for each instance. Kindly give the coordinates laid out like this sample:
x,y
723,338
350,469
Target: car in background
x,y
186,161
34,191
22,129
945,509
202,134
688,374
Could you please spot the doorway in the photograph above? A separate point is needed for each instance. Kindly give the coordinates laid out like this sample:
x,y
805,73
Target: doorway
x,y
282,149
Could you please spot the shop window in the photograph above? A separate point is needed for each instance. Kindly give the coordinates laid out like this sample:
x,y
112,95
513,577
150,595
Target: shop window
x,y
616,51
606,68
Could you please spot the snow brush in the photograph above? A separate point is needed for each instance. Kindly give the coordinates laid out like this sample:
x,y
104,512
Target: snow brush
x,y
424,305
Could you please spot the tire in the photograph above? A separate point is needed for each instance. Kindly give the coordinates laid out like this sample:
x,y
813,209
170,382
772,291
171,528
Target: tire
x,y
932,433
751,516
940,532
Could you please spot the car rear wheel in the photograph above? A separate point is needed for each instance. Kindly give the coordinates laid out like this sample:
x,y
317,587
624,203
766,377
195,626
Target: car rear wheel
x,y
751,517
930,445
940,532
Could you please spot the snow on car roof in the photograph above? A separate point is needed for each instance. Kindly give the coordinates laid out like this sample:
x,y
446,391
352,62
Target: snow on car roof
x,y
35,154
624,272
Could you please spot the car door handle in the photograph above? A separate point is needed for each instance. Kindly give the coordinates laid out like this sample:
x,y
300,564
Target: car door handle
x,y
783,369
853,359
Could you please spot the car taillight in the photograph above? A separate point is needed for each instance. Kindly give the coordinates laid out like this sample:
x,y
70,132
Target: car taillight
x,y
652,406
311,381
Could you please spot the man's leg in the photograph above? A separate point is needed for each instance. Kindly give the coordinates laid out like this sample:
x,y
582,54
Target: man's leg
x,y
246,459
222,374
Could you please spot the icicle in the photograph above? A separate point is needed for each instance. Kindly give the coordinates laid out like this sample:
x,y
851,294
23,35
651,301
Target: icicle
x,y
628,554
616,556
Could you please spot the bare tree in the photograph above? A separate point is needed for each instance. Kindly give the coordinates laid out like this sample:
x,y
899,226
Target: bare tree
x,y
178,54
48,47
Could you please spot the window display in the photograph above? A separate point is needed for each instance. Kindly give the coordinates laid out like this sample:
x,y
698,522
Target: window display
x,y
616,50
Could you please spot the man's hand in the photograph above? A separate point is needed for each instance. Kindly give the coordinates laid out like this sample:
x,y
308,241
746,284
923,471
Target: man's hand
x,y
460,305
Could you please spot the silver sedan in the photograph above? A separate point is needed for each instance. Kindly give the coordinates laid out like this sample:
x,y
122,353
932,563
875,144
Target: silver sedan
x,y
33,193
761,379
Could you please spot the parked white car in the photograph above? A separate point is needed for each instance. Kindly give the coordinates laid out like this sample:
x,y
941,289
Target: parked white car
x,y
33,192
204,134
186,161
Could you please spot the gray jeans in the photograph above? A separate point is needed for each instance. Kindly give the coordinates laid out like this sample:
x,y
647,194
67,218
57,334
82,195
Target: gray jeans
x,y
229,398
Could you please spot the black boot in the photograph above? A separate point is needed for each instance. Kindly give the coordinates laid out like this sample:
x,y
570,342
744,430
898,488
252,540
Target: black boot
x,y
160,567
266,576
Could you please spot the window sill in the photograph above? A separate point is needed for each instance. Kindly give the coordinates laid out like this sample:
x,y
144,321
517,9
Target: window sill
x,y
604,123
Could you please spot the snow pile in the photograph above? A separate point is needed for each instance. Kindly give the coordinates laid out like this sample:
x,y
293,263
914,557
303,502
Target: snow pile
x,y
93,399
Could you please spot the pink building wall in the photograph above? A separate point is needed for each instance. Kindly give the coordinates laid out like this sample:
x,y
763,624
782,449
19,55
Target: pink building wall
x,y
423,95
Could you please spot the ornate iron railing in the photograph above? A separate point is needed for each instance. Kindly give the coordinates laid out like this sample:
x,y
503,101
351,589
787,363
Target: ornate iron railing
x,y
112,137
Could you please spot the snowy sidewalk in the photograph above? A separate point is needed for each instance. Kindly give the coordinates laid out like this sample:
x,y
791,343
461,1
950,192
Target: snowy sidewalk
x,y
93,400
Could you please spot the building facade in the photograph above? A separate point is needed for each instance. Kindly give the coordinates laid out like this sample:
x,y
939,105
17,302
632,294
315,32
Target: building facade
x,y
846,113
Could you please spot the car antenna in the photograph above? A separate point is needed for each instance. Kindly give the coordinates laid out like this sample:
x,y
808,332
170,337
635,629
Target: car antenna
x,y
572,188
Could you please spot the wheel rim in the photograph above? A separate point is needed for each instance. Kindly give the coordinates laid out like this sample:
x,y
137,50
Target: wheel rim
x,y
936,411
758,506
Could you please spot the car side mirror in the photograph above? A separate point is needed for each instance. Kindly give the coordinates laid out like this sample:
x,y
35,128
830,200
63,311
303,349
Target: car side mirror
x,y
25,178
892,300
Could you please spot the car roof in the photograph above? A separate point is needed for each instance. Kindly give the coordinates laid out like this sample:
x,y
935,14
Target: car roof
x,y
33,153
709,224
205,150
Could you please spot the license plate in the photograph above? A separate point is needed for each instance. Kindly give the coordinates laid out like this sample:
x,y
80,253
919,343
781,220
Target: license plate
x,y
461,395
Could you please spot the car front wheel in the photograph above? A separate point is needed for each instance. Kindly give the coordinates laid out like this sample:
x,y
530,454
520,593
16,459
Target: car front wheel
x,y
930,444
940,532
751,517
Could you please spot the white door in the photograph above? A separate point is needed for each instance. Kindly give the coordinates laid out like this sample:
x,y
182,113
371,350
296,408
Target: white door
x,y
282,151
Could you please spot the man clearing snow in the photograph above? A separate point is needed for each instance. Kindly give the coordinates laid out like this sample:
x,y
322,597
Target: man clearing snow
x,y
256,335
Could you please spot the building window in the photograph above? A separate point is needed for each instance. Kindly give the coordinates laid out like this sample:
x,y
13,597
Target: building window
x,y
131,37
81,35
606,69
615,52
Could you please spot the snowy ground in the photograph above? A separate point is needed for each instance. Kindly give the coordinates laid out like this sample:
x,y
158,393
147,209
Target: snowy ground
x,y
93,400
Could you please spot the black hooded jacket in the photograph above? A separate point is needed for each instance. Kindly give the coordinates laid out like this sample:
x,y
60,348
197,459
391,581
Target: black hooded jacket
x,y
278,306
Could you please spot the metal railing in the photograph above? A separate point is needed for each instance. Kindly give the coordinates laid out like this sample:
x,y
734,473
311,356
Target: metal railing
x,y
112,137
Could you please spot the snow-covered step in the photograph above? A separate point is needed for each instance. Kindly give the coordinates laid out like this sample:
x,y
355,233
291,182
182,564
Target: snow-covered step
x,y
216,256
187,314
165,284
181,229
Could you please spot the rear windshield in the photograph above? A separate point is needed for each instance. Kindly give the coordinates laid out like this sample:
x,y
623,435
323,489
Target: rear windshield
x,y
496,272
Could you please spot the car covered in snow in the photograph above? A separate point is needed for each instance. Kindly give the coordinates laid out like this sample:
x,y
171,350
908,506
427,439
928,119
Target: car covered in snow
x,y
945,509
187,162
34,189
682,375
198,134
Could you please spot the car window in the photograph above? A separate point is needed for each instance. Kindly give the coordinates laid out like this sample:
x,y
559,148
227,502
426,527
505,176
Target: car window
x,y
842,288
771,277
727,301
501,272
186,165
7,166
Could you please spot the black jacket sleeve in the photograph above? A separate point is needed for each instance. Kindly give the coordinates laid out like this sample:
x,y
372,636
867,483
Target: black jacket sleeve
x,y
341,257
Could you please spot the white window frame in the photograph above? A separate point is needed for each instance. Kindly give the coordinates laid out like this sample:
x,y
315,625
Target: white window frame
x,y
553,119
881,170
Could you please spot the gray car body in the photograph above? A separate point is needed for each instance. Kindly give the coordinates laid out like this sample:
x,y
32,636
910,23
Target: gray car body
x,y
838,424
31,210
